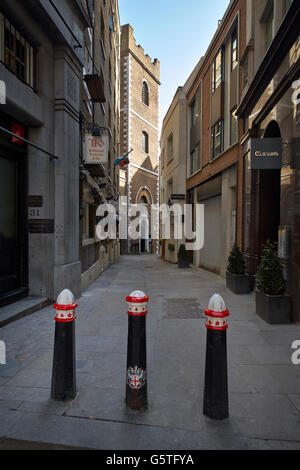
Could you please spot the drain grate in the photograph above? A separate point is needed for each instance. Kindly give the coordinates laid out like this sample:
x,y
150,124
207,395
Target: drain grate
x,y
183,309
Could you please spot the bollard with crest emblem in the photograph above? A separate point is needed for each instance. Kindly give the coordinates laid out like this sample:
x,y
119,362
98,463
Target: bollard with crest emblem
x,y
136,380
63,385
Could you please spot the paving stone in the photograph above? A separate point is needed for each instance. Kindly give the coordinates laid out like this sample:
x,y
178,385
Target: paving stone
x,y
264,402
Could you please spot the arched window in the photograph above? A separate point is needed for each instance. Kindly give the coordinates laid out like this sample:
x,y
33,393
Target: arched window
x,y
145,142
145,93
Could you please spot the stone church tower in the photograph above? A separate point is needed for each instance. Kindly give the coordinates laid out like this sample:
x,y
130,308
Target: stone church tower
x,y
139,131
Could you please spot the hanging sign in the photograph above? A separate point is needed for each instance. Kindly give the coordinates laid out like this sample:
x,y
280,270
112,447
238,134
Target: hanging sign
x,y
96,149
266,154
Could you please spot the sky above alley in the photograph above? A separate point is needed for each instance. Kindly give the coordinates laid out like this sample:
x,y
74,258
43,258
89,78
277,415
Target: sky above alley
x,y
176,32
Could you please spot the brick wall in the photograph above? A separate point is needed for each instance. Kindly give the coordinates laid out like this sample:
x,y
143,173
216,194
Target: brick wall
x,y
136,117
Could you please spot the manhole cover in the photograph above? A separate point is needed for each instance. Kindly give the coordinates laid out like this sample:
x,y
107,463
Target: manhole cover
x,y
183,308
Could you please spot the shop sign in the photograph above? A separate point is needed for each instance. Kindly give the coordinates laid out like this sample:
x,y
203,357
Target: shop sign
x,y
96,149
266,154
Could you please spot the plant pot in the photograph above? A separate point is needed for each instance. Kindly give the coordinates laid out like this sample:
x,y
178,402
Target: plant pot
x,y
273,309
238,283
183,263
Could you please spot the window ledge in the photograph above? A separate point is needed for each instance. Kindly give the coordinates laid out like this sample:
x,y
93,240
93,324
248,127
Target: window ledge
x,y
224,151
195,172
88,241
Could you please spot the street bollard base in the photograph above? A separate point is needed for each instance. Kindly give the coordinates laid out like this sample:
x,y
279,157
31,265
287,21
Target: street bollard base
x,y
215,403
136,399
63,384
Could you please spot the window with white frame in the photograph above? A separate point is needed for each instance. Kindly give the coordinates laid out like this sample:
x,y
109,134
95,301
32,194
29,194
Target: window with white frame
x,y
217,139
234,50
217,70
195,163
233,127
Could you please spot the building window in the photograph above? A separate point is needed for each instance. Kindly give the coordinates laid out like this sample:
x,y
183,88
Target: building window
x,y
217,139
193,112
145,93
16,53
145,142
286,6
234,51
267,21
162,159
217,70
233,127
89,221
195,163
102,40
170,148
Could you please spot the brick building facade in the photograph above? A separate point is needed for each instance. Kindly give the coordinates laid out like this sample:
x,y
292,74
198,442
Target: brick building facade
x,y
213,151
139,131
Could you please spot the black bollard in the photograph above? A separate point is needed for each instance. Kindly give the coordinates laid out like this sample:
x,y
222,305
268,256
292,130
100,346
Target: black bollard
x,y
136,383
215,404
63,385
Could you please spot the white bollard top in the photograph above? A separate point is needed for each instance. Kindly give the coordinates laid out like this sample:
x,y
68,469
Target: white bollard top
x,y
65,307
216,313
216,304
137,303
65,298
138,294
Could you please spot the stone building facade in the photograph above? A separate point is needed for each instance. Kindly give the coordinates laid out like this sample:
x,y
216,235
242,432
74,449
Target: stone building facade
x,y
41,63
100,111
59,61
139,131
173,163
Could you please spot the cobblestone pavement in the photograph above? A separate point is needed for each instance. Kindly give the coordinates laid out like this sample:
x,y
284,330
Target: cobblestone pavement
x,y
264,393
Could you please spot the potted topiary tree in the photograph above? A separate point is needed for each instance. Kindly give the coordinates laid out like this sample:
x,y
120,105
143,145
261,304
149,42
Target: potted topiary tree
x,y
272,303
237,280
183,259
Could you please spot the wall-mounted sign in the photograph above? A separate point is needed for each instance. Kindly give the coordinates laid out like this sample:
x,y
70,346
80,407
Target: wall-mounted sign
x,y
96,149
18,130
266,154
35,201
178,197
41,226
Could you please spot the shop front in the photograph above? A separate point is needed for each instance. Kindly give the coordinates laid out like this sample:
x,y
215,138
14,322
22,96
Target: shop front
x,y
271,159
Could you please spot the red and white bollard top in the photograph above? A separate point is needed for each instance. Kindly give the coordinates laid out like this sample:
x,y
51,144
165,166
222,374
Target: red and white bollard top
x,y
216,314
65,307
137,304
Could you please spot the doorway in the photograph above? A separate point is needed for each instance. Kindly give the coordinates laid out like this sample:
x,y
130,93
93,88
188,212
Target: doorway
x,y
268,198
13,233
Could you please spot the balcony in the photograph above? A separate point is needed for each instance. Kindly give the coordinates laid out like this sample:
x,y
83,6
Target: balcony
x,y
95,84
